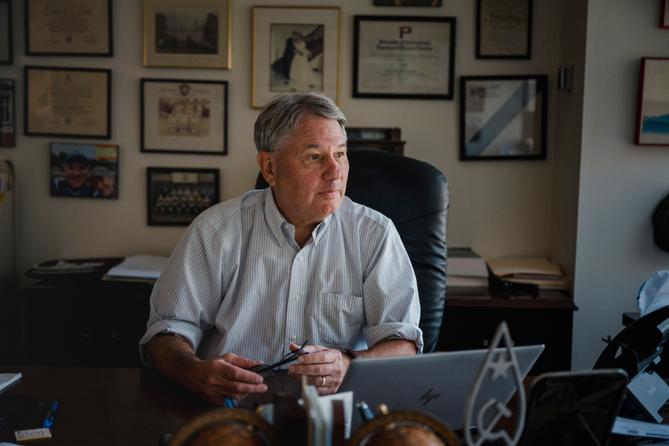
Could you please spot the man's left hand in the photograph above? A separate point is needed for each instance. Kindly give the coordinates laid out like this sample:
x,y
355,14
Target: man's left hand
x,y
324,368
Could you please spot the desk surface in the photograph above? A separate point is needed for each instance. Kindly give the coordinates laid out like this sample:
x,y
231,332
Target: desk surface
x,y
104,406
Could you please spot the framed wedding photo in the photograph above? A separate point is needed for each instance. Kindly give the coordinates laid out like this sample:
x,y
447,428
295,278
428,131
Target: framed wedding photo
x,y
652,118
175,196
187,33
294,49
83,170
69,28
664,13
73,102
184,116
504,29
7,113
403,57
6,33
503,117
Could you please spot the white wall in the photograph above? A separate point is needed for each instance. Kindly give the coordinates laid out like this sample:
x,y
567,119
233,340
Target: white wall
x,y
620,183
497,207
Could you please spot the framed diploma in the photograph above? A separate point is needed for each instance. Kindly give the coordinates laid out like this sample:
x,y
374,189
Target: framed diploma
x,y
403,57
504,29
72,102
664,13
175,196
180,116
187,33
6,33
68,28
294,49
503,117
652,119
7,113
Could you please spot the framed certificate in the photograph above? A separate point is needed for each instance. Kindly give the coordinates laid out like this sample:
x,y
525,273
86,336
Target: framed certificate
x,y
187,33
504,29
503,117
68,28
7,113
652,119
294,49
6,33
67,102
182,116
403,57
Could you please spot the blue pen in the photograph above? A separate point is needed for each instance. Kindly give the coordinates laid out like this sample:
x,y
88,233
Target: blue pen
x,y
229,403
50,414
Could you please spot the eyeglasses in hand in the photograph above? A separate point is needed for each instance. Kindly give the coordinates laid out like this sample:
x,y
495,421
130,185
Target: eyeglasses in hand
x,y
267,370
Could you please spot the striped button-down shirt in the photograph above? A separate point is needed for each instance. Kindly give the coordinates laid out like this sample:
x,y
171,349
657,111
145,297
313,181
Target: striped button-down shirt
x,y
238,282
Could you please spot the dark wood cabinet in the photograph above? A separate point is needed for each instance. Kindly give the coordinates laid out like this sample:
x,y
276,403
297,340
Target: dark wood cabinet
x,y
90,323
470,322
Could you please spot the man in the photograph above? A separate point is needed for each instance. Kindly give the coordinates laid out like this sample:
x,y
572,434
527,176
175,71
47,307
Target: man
x,y
74,182
297,262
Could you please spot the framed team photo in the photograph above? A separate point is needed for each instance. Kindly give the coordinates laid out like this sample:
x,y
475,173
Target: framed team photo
x,y
83,170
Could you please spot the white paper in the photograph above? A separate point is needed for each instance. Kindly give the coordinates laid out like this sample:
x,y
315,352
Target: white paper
x,y
140,266
636,428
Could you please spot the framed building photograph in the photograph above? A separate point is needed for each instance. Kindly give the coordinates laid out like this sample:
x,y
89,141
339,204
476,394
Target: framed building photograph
x,y
184,116
83,170
69,28
504,29
664,13
503,117
652,118
6,33
7,113
403,57
294,49
430,3
188,33
73,102
175,196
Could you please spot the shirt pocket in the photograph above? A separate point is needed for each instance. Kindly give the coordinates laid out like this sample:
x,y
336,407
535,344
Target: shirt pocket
x,y
341,319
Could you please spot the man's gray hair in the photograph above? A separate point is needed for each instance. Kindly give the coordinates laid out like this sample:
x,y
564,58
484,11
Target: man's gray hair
x,y
283,113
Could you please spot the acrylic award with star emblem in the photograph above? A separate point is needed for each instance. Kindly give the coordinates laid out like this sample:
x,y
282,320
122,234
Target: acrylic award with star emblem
x,y
488,419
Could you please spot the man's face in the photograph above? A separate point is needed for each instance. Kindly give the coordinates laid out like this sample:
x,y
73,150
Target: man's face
x,y
76,174
308,171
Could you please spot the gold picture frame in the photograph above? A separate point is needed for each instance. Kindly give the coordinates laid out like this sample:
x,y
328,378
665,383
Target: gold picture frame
x,y
294,49
188,33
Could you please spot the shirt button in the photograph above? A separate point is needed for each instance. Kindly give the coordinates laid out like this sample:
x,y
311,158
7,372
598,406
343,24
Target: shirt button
x,y
293,339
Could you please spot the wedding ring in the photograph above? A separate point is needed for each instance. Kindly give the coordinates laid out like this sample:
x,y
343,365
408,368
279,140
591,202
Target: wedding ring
x,y
324,381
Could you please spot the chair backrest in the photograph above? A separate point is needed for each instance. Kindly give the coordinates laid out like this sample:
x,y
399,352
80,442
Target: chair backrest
x,y
414,195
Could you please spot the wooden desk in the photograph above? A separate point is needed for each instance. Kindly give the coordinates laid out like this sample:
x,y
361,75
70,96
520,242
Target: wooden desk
x,y
103,407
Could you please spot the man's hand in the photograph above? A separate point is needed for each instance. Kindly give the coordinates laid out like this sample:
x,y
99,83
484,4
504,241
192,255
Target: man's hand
x,y
225,376
324,368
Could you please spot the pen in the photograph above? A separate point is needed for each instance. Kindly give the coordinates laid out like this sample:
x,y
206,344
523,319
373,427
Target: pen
x,y
229,403
50,414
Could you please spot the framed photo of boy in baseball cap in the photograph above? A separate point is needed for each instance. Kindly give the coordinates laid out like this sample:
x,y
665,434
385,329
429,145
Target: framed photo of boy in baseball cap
x,y
84,170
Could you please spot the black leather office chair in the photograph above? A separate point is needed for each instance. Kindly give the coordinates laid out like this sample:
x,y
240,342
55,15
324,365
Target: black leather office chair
x,y
414,195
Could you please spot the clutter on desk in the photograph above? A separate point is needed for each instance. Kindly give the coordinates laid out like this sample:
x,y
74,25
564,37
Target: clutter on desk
x,y
64,269
138,267
538,271
466,273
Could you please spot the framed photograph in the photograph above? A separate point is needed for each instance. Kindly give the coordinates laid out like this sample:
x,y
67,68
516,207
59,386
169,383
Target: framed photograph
x,y
664,13
7,113
83,170
6,33
175,196
433,3
69,28
187,33
71,102
504,29
652,119
183,116
503,117
294,49
403,57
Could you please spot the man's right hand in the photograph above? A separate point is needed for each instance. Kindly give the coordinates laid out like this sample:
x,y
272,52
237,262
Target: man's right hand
x,y
225,377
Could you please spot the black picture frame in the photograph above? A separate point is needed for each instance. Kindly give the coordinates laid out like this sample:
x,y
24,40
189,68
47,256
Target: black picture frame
x,y
176,195
503,117
6,33
409,3
399,68
165,128
664,14
84,170
505,37
49,120
43,41
7,113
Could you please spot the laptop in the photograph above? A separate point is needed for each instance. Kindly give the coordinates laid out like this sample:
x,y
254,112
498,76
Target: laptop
x,y
436,383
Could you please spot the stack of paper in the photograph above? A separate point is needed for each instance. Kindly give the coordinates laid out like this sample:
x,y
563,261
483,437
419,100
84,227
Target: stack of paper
x,y
466,272
539,271
139,267
322,426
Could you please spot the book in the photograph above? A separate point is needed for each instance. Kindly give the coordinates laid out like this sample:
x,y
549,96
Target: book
x,y
7,379
466,273
138,267
538,271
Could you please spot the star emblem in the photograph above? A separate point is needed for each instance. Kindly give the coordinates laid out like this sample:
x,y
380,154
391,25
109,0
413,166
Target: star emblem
x,y
500,367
